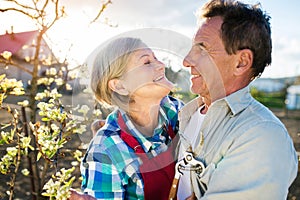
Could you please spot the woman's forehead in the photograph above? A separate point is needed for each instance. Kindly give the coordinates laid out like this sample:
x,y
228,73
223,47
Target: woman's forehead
x,y
143,51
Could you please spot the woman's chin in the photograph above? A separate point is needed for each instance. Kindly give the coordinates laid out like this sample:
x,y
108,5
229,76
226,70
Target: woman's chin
x,y
166,84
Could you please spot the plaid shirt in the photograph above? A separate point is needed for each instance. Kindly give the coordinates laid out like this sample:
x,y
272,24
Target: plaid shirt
x,y
110,168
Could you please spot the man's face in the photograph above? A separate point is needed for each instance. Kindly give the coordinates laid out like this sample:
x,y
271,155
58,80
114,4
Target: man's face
x,y
211,66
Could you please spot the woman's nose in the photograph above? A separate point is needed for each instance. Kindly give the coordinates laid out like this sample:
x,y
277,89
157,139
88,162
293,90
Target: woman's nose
x,y
160,66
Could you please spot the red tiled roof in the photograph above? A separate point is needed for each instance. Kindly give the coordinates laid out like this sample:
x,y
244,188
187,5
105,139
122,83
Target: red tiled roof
x,y
14,42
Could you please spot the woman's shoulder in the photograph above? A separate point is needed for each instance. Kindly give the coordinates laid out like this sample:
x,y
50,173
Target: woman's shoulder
x,y
105,137
109,148
171,101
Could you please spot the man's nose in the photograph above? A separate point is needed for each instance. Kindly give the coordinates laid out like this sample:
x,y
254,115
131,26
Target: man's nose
x,y
186,62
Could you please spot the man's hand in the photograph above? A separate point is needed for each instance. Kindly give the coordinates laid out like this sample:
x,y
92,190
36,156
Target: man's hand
x,y
192,197
79,196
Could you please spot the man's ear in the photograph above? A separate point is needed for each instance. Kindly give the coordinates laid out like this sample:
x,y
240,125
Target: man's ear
x,y
245,61
117,86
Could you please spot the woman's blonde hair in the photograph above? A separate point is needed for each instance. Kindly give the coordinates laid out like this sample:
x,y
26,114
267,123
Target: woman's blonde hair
x,y
110,62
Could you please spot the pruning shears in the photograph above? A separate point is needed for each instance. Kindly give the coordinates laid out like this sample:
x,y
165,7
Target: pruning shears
x,y
187,163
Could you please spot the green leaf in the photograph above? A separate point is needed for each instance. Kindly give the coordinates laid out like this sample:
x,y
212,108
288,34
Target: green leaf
x,y
45,119
5,125
2,76
38,156
47,194
70,182
2,142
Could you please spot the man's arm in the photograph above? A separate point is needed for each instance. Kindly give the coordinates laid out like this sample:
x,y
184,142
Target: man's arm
x,y
260,164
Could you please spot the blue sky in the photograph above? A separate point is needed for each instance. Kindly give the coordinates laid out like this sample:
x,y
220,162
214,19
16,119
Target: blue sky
x,y
176,15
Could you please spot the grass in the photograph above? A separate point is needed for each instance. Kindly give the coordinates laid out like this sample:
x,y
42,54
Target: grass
x,y
271,100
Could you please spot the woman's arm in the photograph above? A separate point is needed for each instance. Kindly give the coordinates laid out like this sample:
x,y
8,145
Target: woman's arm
x,y
101,178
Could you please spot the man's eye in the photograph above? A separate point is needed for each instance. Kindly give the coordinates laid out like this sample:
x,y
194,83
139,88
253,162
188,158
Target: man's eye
x,y
147,62
202,50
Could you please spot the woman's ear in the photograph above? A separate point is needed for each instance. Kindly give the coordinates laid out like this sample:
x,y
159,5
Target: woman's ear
x,y
117,86
245,61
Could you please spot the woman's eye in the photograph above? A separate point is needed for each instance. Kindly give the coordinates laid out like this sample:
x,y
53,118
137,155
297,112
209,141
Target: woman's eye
x,y
147,62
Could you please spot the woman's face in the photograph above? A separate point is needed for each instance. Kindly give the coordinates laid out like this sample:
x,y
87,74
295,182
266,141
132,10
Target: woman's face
x,y
145,75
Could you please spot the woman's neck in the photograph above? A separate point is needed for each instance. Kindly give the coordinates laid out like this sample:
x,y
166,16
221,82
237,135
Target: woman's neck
x,y
144,115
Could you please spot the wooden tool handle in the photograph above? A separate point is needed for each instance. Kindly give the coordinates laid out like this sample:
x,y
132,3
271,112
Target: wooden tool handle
x,y
173,190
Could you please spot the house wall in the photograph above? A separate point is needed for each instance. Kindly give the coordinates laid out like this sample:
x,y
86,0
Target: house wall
x,y
28,51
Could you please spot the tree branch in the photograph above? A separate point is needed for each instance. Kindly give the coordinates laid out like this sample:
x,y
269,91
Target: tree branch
x,y
58,14
101,11
21,5
15,65
18,10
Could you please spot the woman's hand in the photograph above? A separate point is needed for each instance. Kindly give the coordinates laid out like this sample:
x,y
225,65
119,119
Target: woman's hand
x,y
79,196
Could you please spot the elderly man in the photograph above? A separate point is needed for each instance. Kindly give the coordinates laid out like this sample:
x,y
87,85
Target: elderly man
x,y
246,151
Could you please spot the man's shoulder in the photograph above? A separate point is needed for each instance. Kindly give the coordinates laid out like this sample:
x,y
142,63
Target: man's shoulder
x,y
261,113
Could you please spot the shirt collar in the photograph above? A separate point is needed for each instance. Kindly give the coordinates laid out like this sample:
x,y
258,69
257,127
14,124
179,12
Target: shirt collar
x,y
169,111
236,102
239,100
187,111
146,145
165,111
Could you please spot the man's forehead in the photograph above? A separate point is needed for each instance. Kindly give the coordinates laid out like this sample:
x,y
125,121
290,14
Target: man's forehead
x,y
209,27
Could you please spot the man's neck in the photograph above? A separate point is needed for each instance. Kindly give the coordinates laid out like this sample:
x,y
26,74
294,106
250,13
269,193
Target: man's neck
x,y
206,103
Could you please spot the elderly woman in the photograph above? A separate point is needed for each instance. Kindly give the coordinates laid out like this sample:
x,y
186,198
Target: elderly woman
x,y
131,156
